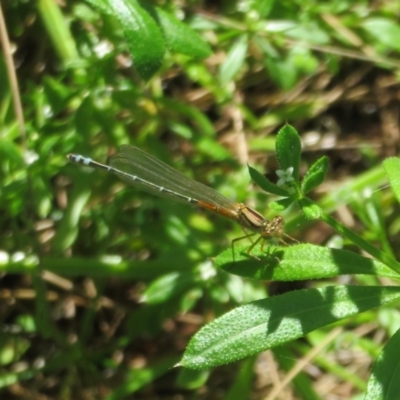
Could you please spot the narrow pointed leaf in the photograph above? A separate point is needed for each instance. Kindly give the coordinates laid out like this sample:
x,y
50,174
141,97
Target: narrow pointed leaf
x,y
315,175
265,184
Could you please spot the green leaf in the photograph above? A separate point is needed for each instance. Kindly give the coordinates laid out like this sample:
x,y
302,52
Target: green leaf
x,y
244,381
310,210
144,37
384,383
263,7
281,70
268,323
168,286
136,378
315,175
186,110
179,38
68,230
12,348
102,5
58,31
190,379
308,31
281,204
392,169
234,60
288,150
7,379
265,184
299,262
56,93
384,31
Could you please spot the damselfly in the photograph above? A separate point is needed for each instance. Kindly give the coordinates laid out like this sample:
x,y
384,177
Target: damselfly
x,y
138,168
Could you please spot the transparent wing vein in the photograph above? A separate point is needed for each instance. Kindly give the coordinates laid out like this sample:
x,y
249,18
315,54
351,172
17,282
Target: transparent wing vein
x,y
137,163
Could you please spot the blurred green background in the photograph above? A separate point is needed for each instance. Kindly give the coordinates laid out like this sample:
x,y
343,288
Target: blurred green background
x,y
102,286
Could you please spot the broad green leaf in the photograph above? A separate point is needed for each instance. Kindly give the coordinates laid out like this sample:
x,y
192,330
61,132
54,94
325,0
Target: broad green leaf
x,y
384,383
299,262
270,322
